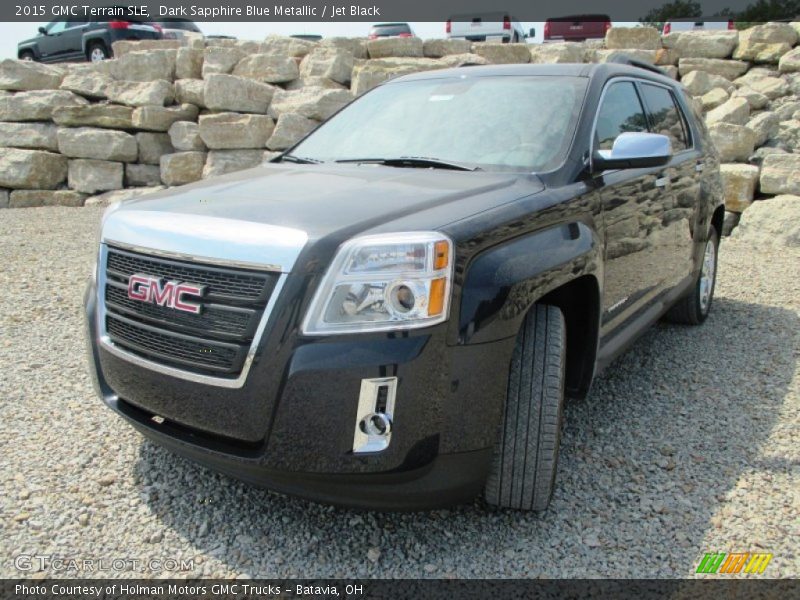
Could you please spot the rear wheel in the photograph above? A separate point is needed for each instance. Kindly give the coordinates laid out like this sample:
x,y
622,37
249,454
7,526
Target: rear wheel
x,y
97,52
526,455
694,308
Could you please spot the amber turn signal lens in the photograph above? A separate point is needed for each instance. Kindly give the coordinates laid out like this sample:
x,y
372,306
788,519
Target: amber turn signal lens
x,y
441,256
436,302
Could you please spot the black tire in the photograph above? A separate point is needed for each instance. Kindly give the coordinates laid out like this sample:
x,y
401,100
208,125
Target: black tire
x,y
692,309
93,51
526,455
27,56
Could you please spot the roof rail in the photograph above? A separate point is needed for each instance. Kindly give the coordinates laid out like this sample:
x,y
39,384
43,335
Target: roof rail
x,y
621,58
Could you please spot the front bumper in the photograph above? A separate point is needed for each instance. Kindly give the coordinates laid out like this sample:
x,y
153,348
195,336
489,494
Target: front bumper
x,y
304,394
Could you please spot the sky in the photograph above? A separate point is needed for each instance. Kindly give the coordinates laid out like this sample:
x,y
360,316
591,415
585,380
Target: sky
x,y
11,33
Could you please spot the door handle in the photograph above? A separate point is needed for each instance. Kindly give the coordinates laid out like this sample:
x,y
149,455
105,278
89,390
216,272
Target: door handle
x,y
662,181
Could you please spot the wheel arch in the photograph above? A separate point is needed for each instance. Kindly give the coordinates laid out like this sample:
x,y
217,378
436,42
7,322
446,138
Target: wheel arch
x,y
579,302
93,38
718,218
27,49
560,266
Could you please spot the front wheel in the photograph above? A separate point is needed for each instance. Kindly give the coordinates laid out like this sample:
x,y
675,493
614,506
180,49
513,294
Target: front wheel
x,y
694,308
526,455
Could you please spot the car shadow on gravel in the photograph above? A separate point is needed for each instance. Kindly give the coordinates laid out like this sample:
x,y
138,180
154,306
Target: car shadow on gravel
x,y
647,461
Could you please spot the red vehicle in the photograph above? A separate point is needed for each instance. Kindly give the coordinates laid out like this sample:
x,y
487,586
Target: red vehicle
x,y
576,28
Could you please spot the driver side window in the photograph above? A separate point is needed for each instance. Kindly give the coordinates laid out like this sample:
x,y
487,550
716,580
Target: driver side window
x,y
621,111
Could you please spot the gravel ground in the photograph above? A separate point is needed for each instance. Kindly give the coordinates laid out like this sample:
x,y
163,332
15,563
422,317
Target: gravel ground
x,y
687,445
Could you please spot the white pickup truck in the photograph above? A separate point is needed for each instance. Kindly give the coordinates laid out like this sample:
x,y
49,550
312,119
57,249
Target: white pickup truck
x,y
485,27
697,24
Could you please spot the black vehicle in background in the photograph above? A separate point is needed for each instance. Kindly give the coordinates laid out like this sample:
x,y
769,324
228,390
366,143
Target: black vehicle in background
x,y
309,37
391,317
382,30
176,29
61,41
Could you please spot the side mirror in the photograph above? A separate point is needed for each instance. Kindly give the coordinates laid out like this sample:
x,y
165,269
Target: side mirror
x,y
42,30
634,150
532,32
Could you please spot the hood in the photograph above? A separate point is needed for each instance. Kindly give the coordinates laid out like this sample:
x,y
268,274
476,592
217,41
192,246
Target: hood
x,y
324,199
267,215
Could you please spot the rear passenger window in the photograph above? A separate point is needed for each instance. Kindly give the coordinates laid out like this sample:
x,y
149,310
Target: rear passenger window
x,y
665,116
620,112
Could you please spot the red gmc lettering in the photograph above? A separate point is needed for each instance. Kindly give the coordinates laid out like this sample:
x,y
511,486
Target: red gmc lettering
x,y
164,293
138,287
163,296
192,290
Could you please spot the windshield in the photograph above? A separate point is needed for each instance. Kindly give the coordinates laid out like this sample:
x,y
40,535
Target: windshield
x,y
491,123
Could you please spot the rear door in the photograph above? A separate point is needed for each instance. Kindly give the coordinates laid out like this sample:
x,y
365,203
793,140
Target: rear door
x,y
639,245
72,39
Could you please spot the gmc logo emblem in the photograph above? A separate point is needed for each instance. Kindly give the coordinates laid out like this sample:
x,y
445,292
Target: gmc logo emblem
x,y
156,290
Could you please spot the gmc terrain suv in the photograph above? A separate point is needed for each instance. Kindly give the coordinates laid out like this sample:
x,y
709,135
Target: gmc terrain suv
x,y
61,41
390,314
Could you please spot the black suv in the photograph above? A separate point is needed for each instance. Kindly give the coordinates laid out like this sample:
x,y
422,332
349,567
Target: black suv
x,y
61,41
391,314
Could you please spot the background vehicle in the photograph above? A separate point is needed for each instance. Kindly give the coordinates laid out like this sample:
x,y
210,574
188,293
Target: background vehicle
x,y
381,30
697,24
484,27
62,41
176,29
392,316
309,37
576,28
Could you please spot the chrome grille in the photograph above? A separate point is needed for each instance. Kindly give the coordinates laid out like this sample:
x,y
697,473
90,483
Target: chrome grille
x,y
233,283
214,319
213,342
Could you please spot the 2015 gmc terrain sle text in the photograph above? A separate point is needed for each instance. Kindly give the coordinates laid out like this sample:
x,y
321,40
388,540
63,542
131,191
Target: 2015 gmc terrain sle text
x,y
391,313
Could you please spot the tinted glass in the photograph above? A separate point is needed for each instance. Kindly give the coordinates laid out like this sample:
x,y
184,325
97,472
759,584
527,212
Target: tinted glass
x,y
664,115
390,29
56,27
185,25
620,112
495,123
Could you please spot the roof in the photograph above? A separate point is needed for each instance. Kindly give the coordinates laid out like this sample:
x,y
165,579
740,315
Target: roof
x,y
604,70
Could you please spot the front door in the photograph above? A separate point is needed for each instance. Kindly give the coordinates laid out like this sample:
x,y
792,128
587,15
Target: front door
x,y
51,44
683,170
639,244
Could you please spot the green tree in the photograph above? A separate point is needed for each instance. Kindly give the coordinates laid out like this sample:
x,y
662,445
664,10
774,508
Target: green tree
x,y
762,11
673,10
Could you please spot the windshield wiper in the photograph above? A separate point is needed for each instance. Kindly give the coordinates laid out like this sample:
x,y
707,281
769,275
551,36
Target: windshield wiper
x,y
299,160
412,162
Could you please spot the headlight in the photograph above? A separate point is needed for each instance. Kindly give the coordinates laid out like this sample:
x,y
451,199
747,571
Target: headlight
x,y
384,282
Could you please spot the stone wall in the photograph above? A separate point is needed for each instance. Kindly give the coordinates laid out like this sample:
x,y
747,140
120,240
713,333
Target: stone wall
x,y
165,114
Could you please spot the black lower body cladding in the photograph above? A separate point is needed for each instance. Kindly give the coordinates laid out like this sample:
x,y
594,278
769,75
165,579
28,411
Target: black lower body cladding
x,y
290,426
